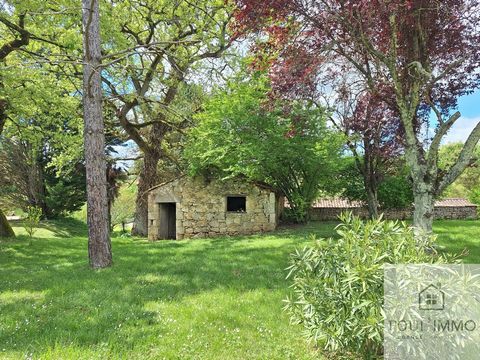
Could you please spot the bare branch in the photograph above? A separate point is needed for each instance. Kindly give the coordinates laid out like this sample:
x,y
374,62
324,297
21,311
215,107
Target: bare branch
x,y
463,160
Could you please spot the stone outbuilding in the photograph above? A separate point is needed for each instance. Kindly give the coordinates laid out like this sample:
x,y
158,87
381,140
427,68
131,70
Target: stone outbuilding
x,y
195,207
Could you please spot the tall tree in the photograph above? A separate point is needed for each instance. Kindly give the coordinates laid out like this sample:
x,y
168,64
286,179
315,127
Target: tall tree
x,y
157,47
284,144
30,177
427,52
372,131
99,245
29,31
21,37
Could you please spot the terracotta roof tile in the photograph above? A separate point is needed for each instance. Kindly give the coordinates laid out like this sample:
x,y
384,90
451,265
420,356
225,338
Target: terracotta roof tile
x,y
345,203
453,202
336,203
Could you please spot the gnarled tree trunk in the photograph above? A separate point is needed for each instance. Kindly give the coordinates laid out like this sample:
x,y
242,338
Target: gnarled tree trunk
x,y
149,173
423,212
147,179
424,175
5,228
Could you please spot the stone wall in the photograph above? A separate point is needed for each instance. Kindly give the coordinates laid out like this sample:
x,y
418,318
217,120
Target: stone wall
x,y
450,212
201,208
440,212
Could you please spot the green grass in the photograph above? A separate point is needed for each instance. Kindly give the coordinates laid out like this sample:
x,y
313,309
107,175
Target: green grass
x,y
197,299
455,236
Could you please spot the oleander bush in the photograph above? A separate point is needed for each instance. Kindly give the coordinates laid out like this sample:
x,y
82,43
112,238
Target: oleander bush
x,y
337,290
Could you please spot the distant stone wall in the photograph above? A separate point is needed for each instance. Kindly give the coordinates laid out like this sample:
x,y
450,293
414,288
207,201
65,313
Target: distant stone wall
x,y
201,208
440,212
332,213
450,212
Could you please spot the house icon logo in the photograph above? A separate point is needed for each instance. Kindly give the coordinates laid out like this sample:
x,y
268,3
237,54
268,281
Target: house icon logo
x,y
431,298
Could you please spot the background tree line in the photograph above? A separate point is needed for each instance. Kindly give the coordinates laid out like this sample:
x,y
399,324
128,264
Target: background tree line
x,y
303,110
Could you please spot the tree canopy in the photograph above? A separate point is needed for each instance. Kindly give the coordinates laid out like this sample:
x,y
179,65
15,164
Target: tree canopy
x,y
422,54
287,145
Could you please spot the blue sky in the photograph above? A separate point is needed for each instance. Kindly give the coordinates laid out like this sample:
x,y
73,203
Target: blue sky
x,y
469,107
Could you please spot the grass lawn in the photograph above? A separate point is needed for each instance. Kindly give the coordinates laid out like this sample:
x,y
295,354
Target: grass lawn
x,y
197,299
458,235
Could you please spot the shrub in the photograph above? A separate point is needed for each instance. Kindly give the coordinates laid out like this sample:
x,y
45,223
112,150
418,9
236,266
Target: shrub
x,y
338,284
33,215
474,195
395,192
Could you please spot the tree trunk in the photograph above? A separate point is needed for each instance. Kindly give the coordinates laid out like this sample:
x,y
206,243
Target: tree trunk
x,y
99,246
147,179
372,202
5,228
369,173
36,181
423,212
423,196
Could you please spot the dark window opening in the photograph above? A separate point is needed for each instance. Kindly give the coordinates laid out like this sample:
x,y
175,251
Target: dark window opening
x,y
236,203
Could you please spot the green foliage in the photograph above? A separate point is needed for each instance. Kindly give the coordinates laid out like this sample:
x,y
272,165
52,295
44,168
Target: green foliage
x,y
288,146
349,183
80,215
394,189
32,218
123,208
65,195
39,96
29,176
183,40
474,195
338,283
467,185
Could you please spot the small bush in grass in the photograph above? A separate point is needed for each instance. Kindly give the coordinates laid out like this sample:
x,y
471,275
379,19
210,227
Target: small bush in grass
x,y
338,283
31,220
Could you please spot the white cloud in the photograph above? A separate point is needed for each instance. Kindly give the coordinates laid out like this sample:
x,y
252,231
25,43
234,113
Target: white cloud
x,y
461,130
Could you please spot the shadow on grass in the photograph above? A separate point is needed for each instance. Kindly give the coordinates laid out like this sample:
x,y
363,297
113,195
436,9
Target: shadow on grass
x,y
62,228
49,296
65,227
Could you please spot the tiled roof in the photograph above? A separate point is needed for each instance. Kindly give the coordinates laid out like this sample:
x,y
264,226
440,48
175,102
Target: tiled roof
x,y
345,203
336,203
453,202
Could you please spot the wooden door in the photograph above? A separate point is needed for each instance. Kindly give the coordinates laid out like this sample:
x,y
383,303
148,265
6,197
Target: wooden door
x,y
167,228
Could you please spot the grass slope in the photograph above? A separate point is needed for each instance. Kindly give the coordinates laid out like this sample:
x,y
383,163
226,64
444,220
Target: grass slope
x,y
198,299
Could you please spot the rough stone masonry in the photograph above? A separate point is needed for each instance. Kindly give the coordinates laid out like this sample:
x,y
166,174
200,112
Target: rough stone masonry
x,y
198,208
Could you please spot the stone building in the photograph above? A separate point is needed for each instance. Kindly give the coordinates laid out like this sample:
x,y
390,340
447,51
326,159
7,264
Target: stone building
x,y
194,207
